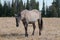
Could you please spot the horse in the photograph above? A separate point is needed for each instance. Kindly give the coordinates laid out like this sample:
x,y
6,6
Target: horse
x,y
30,17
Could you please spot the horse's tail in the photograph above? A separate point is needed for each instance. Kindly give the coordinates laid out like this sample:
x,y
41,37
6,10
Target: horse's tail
x,y
41,23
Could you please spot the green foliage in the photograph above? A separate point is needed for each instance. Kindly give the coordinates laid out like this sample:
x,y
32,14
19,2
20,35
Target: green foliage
x,y
52,11
13,9
32,4
0,9
43,9
37,5
48,14
8,10
27,5
5,10
24,6
21,5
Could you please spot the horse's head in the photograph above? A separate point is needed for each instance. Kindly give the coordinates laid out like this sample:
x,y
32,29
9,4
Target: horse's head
x,y
17,17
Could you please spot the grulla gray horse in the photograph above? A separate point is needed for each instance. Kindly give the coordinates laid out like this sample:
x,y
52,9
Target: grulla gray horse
x,y
30,17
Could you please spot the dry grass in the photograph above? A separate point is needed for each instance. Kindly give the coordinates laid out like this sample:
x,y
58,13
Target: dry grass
x,y
8,30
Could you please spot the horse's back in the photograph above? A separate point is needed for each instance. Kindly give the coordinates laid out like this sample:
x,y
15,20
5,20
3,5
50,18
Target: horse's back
x,y
32,15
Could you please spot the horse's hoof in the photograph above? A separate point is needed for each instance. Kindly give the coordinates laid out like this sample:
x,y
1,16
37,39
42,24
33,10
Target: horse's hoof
x,y
26,35
39,34
17,25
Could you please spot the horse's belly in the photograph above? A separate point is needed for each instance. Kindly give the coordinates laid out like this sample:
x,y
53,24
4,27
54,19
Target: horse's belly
x,y
32,19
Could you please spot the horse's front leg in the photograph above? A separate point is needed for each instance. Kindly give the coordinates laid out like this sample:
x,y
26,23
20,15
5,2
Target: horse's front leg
x,y
25,26
26,34
34,26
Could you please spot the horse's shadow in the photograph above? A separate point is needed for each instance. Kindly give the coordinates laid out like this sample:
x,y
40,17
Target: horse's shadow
x,y
12,35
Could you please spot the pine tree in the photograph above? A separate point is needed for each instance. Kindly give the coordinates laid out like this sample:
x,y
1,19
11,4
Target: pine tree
x,y
13,8
0,9
58,7
17,5
27,5
9,9
21,5
5,9
43,9
48,13
33,4
24,6
37,5
53,10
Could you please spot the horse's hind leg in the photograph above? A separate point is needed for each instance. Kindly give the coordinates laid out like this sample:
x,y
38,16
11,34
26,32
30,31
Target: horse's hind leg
x,y
33,28
40,24
26,34
25,26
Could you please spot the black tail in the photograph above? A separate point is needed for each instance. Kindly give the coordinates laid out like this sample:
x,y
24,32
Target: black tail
x,y
41,24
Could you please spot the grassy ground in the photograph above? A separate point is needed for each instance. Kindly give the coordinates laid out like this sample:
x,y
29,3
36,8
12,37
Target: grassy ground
x,y
8,30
